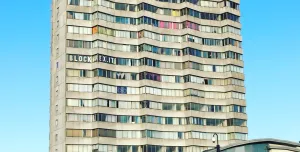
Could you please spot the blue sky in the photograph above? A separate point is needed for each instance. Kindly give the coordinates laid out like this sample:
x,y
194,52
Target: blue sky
x,y
272,52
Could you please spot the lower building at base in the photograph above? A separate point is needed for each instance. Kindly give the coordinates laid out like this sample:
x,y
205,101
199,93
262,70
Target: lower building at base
x,y
261,145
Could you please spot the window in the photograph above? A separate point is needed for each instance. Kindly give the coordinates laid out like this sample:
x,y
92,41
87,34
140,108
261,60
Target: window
x,y
236,122
167,106
56,108
153,22
121,90
57,52
57,38
169,120
57,91
73,2
80,2
153,105
134,148
57,12
177,79
56,79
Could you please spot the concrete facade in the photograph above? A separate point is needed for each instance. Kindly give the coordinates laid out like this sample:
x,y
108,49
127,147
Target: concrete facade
x,y
143,76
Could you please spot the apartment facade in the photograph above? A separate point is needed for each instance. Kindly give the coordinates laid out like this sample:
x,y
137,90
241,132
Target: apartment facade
x,y
146,75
